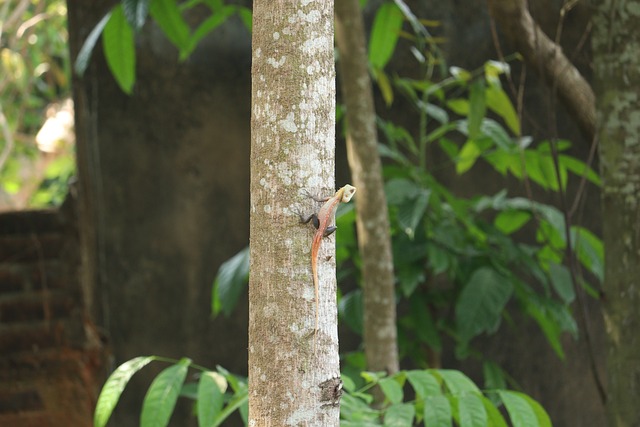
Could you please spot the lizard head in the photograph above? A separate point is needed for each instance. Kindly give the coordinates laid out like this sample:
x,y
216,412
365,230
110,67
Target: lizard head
x,y
347,193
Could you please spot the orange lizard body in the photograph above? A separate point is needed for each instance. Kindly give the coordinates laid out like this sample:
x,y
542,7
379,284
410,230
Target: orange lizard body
x,y
322,221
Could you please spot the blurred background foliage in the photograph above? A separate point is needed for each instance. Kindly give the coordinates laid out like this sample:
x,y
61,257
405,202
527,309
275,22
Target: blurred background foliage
x,y
36,112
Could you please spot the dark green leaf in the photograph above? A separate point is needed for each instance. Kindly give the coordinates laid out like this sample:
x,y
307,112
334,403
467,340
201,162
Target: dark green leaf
x,y
493,376
562,283
167,14
589,250
479,307
119,49
384,34
425,327
113,388
136,12
87,48
411,212
477,108
350,309
230,283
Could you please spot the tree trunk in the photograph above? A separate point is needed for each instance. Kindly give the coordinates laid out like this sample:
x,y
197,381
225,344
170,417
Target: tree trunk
x,y
374,237
292,151
616,38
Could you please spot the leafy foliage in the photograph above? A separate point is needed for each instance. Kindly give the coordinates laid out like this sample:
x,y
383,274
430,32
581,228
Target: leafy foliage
x,y
439,398
119,26
215,402
431,397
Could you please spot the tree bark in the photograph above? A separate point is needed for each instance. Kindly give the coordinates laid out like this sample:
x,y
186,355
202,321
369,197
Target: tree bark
x,y
615,39
292,151
374,237
547,59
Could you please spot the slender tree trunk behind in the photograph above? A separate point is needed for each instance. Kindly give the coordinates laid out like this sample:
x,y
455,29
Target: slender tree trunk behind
x,y
616,41
292,151
374,238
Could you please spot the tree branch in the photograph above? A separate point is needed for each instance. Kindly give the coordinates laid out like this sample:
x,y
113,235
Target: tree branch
x,y
547,58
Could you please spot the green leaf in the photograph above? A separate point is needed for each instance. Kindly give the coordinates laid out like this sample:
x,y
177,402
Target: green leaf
x,y
113,388
399,415
168,17
412,212
519,409
162,395
494,417
459,106
471,411
424,383
477,108
246,16
230,283
579,168
384,34
136,12
479,307
211,387
391,389
589,249
211,23
82,61
468,156
562,283
437,412
457,382
350,309
119,49
541,414
510,221
384,84
425,327
499,103
497,134
493,376
549,326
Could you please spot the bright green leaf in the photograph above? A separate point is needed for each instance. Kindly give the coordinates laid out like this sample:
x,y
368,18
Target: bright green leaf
x,y
384,84
384,34
437,412
459,106
168,17
519,409
391,389
499,103
113,388
211,387
217,18
510,221
579,168
399,415
424,383
471,411
494,417
457,382
468,156
119,49
162,395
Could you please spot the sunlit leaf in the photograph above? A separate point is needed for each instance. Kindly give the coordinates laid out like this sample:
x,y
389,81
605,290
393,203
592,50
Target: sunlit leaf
x,y
162,395
119,49
384,34
114,387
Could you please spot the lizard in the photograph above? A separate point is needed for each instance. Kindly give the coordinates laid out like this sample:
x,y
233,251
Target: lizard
x,y
322,222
